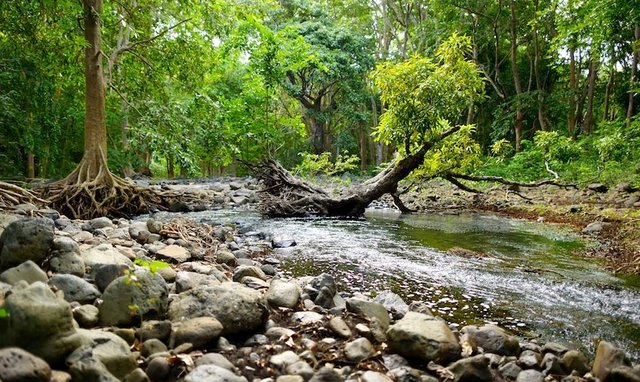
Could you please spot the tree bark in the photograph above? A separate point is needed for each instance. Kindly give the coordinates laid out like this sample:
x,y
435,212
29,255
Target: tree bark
x,y
589,122
607,94
572,119
542,117
634,71
519,118
95,129
31,165
285,195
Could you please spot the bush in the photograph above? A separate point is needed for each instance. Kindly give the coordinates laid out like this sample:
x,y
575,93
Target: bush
x,y
314,165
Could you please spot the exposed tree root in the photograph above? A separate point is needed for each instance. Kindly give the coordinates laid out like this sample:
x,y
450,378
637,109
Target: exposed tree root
x,y
82,196
12,195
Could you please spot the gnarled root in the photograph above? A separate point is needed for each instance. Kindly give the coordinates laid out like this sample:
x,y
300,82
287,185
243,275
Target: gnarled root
x,y
12,195
82,197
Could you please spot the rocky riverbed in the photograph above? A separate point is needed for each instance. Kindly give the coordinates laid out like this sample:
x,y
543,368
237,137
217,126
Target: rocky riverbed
x,y
95,301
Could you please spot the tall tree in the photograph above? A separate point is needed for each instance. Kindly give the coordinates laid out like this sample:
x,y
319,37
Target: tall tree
x,y
91,189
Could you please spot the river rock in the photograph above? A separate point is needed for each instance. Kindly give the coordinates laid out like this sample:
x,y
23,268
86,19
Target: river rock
x,y
492,339
598,187
530,376
608,357
154,329
393,303
306,318
215,359
108,348
473,369
17,365
284,359
90,369
594,228
101,222
104,254
188,280
27,271
326,374
529,359
316,284
624,374
75,288
420,336
142,291
340,327
199,331
38,322
28,239
243,271
212,373
551,364
374,376
226,257
370,310
159,369
137,375
86,316
152,346
283,294
65,257
575,360
104,274
238,308
358,350
174,253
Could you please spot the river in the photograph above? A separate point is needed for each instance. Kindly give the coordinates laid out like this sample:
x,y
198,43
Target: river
x,y
528,279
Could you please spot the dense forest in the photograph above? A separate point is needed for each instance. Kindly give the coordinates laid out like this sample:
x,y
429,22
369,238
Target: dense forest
x,y
194,86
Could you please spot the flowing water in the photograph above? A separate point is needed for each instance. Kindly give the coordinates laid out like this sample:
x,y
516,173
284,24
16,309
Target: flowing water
x,y
524,277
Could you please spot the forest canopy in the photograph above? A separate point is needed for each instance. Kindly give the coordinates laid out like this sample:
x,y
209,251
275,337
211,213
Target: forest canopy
x,y
194,86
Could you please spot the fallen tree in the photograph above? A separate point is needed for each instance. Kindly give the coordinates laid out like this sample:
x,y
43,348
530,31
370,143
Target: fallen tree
x,y
424,98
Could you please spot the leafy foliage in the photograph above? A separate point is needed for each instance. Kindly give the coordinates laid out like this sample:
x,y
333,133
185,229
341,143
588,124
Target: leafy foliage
x,y
314,164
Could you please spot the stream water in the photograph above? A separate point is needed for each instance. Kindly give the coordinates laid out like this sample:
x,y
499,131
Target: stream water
x,y
529,281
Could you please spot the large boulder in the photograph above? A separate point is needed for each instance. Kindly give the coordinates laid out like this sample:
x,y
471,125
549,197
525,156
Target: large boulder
x,y
608,357
140,293
17,365
238,308
28,239
423,337
38,322
492,339
75,288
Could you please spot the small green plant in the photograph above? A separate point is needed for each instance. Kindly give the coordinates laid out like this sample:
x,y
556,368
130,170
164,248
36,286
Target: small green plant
x,y
4,313
152,265
501,150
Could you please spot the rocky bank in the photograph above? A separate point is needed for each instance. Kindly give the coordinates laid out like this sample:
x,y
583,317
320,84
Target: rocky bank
x,y
95,301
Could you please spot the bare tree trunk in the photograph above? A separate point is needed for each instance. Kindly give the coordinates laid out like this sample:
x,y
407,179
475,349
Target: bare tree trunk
x,y
31,165
607,93
542,118
171,173
634,71
95,129
572,119
589,122
516,77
